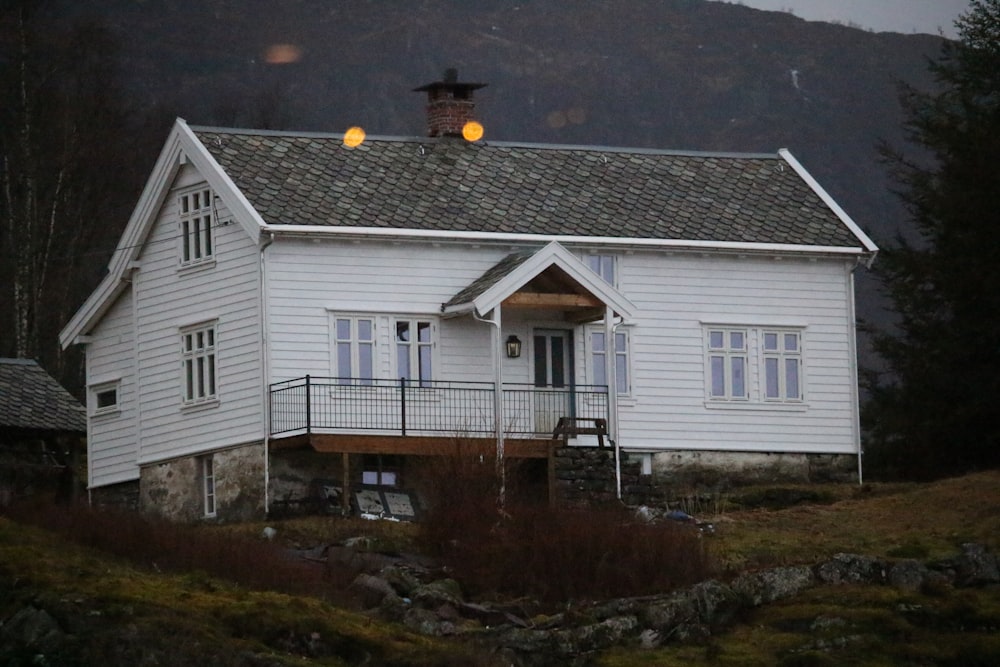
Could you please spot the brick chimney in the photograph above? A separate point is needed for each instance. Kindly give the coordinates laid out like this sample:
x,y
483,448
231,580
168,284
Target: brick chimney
x,y
449,105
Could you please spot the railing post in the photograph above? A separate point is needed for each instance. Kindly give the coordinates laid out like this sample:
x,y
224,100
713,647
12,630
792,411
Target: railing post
x,y
308,407
402,404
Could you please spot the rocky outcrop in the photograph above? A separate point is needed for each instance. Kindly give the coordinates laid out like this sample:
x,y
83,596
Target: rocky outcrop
x,y
692,614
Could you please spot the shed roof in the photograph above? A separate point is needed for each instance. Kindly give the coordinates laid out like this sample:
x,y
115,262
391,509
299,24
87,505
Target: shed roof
x,y
447,184
31,399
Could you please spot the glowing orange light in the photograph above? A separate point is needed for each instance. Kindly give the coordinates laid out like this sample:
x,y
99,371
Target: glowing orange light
x,y
354,136
282,54
472,131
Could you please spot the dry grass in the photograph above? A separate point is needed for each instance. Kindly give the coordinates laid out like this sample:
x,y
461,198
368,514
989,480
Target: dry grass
x,y
918,521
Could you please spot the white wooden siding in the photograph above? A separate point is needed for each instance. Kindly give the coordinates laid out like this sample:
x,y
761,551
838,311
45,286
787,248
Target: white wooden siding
x,y
676,294
226,292
112,439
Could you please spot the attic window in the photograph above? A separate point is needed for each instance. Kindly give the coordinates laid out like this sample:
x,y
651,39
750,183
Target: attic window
x,y
196,217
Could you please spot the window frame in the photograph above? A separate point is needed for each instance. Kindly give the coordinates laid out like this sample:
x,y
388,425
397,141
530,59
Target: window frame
x,y
782,356
728,354
625,356
199,381
196,218
602,264
209,493
355,346
414,350
96,390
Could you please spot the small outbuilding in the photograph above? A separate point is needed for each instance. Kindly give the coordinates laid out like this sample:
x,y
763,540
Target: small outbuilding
x,y
42,427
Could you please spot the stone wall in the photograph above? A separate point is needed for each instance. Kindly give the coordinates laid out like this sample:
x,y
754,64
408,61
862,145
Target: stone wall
x,y
174,489
123,496
586,475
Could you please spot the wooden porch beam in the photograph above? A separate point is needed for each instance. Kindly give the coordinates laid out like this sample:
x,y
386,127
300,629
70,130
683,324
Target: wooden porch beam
x,y
547,300
533,448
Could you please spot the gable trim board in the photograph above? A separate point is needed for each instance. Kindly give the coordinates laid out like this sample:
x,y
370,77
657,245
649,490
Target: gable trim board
x,y
552,254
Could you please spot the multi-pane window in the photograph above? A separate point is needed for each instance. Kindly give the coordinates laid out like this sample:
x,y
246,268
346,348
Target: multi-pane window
x,y
782,355
354,349
414,350
727,364
198,361
208,485
598,354
196,226
602,265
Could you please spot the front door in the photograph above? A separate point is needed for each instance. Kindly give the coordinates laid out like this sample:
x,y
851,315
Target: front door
x,y
553,361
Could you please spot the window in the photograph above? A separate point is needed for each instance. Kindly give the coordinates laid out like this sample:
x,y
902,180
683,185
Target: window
x,y
727,364
208,485
414,350
598,355
354,349
782,354
380,470
196,242
199,364
602,265
104,398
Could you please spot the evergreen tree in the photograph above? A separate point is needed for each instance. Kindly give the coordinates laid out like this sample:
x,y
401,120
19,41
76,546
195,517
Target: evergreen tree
x,y
934,410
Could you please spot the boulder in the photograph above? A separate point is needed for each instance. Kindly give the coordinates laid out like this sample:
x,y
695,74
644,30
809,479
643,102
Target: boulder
x,y
852,569
976,566
766,586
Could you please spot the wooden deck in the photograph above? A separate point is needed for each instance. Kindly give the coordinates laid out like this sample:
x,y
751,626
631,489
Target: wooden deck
x,y
328,443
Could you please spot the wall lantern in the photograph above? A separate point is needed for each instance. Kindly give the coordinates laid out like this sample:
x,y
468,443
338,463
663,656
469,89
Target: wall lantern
x,y
513,346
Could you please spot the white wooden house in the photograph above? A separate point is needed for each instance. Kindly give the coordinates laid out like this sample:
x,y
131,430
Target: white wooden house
x,y
281,300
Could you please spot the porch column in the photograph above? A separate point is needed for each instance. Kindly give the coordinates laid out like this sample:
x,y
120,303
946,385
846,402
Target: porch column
x,y
498,351
611,373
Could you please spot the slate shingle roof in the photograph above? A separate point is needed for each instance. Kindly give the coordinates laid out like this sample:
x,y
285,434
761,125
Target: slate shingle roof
x,y
30,399
493,275
450,185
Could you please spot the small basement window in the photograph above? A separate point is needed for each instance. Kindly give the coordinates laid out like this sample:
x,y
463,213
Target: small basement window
x,y
104,398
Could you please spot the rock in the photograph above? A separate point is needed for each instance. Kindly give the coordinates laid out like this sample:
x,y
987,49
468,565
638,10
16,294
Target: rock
x,y
268,533
599,635
975,566
715,602
852,569
775,584
401,579
34,629
665,614
437,593
426,622
908,575
372,590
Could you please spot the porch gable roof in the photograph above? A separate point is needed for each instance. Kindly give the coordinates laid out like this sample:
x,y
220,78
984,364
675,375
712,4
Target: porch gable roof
x,y
516,270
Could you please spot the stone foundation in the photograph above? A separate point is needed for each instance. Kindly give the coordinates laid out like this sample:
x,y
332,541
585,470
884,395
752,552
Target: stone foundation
x,y
175,489
123,496
585,476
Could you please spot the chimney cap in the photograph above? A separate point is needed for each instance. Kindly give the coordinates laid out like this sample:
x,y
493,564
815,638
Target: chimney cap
x,y
450,83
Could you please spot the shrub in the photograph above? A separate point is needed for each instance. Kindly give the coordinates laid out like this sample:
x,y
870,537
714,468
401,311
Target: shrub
x,y
554,555
159,545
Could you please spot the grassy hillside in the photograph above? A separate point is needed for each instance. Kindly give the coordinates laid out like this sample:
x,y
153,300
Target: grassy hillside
x,y
82,606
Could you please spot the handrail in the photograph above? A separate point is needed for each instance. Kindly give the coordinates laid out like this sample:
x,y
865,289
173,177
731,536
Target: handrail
x,y
312,404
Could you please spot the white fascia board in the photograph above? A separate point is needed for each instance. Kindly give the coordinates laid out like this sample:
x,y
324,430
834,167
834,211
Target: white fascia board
x,y
868,244
556,254
360,233
181,146
222,185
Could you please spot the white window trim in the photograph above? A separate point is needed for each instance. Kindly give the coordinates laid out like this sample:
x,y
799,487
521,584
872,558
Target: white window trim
x,y
756,371
414,347
95,390
208,486
728,354
192,242
782,356
599,257
190,376
629,375
355,347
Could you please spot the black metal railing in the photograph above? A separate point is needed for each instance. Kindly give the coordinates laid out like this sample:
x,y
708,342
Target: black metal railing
x,y
313,404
